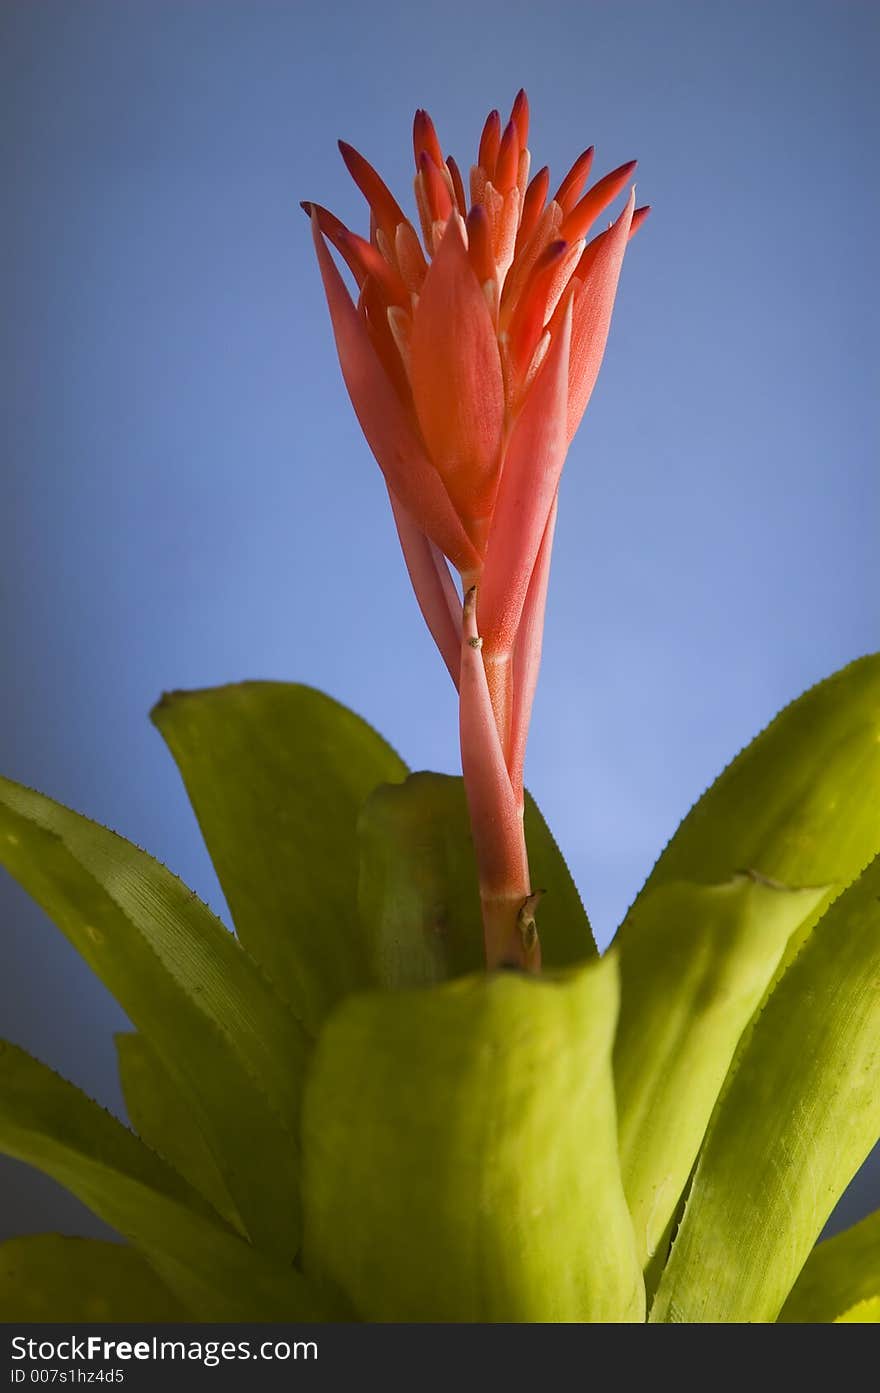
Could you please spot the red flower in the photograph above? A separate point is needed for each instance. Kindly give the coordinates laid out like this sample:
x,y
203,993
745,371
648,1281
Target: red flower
x,y
470,358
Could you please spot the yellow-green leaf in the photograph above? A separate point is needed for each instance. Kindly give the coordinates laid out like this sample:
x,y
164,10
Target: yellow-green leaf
x,y
695,960
840,1273
228,1041
799,1113
419,896
277,775
44,1277
163,1118
460,1153
563,926
799,804
52,1125
796,807
867,1312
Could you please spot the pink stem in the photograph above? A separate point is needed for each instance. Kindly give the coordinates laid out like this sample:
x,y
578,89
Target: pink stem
x,y
495,814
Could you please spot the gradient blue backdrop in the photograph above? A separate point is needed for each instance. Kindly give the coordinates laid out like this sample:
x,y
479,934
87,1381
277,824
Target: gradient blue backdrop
x,y
185,496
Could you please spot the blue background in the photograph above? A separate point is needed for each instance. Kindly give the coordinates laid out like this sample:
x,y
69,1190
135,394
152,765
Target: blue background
x,y
185,498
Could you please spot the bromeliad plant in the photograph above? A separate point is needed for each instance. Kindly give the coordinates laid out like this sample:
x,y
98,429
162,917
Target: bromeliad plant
x,y
347,1111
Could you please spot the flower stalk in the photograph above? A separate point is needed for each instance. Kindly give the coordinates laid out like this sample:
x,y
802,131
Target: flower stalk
x,y
470,357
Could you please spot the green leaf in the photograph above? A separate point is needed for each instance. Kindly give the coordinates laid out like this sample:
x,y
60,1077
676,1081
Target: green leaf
x,y
47,1122
695,961
566,936
867,1312
228,1042
418,893
799,1113
45,1277
460,1153
162,1117
839,1274
799,804
277,774
797,807
418,896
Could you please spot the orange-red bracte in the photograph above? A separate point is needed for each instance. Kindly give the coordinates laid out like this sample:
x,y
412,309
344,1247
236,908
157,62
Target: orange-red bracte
x,y
470,356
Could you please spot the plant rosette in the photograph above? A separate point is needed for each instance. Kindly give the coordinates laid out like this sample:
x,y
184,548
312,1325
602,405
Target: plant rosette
x,y
408,1088
337,1114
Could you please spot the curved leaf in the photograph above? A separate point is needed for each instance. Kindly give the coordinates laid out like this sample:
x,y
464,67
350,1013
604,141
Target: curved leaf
x,y
45,1277
796,807
277,774
799,804
229,1043
566,936
163,1118
867,1312
799,1113
840,1273
52,1125
695,960
418,894
460,1153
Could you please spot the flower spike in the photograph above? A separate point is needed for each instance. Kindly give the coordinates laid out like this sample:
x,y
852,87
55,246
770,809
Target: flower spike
x,y
469,359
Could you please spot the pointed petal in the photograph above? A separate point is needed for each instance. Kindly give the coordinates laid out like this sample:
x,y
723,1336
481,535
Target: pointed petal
x,y
362,258
507,164
339,236
457,382
433,586
578,222
522,173
546,230
425,138
383,205
533,207
374,311
506,222
567,193
593,248
436,188
527,654
457,186
520,117
539,299
529,479
639,217
591,320
480,244
490,141
410,257
384,421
